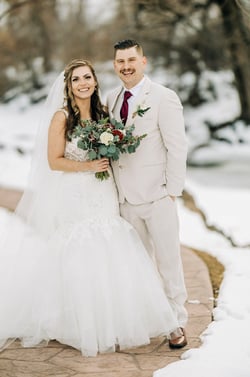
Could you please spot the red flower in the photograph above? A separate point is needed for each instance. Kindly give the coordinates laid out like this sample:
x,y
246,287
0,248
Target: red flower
x,y
118,133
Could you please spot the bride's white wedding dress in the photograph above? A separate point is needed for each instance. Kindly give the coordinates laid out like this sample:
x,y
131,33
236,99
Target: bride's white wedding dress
x,y
92,285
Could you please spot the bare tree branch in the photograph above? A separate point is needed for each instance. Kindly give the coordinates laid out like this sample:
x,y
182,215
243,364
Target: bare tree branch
x,y
16,6
244,6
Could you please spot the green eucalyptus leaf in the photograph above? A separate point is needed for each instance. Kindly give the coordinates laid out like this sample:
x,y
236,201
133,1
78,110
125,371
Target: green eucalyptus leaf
x,y
131,149
103,150
92,154
111,148
82,145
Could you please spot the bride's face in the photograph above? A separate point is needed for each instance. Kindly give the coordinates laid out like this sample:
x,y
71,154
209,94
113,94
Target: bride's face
x,y
83,82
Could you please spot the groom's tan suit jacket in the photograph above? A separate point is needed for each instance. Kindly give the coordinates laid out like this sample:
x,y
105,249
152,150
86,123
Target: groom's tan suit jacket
x,y
158,167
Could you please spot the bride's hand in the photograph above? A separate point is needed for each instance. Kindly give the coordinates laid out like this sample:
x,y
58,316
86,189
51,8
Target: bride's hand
x,y
99,165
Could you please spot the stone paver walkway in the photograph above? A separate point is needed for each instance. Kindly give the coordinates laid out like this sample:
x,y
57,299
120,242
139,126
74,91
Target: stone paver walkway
x,y
58,360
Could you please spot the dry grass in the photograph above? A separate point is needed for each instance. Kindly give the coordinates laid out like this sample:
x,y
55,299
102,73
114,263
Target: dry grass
x,y
215,268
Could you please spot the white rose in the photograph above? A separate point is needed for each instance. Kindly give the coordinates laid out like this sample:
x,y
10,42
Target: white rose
x,y
106,137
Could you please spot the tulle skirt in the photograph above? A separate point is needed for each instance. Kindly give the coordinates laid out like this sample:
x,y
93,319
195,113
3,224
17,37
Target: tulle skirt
x,y
90,285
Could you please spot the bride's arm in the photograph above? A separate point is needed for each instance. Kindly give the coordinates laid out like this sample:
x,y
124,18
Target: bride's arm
x,y
56,147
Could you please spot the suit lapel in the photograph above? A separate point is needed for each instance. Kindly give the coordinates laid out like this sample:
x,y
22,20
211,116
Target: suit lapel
x,y
140,100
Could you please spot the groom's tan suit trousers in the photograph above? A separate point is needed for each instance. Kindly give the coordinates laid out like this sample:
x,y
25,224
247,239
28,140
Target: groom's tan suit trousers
x,y
147,178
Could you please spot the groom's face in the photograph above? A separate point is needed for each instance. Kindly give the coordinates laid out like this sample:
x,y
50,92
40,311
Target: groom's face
x,y
129,65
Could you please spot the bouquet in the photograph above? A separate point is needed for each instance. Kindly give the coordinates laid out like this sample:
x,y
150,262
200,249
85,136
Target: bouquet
x,y
105,138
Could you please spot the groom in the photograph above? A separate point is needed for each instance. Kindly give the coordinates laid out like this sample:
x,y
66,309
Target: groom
x,y
149,180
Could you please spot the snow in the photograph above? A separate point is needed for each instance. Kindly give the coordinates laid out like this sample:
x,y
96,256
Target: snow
x,y
220,185
18,127
225,349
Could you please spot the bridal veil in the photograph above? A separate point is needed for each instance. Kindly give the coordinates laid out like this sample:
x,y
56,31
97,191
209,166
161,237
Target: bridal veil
x,y
39,198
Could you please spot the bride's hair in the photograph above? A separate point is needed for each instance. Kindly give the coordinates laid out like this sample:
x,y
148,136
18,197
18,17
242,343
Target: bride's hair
x,y
97,109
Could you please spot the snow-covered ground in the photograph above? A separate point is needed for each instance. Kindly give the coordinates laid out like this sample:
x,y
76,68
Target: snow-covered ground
x,y
225,349
221,190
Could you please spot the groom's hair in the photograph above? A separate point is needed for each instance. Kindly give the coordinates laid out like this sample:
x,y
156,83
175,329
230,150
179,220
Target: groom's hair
x,y
128,43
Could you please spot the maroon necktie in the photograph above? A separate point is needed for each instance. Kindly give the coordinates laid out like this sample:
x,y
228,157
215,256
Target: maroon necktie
x,y
124,108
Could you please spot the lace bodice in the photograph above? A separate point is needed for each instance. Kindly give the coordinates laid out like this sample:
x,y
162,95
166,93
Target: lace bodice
x,y
72,152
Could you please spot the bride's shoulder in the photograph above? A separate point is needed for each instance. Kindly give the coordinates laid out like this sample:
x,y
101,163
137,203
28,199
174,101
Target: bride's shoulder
x,y
58,120
60,116
64,111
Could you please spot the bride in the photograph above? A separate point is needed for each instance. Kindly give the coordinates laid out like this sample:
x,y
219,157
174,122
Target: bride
x,y
71,268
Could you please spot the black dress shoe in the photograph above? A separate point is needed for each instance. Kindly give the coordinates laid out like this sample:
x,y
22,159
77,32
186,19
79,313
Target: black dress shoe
x,y
179,341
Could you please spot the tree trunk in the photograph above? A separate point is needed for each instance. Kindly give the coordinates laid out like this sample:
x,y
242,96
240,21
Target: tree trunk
x,y
43,16
238,37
